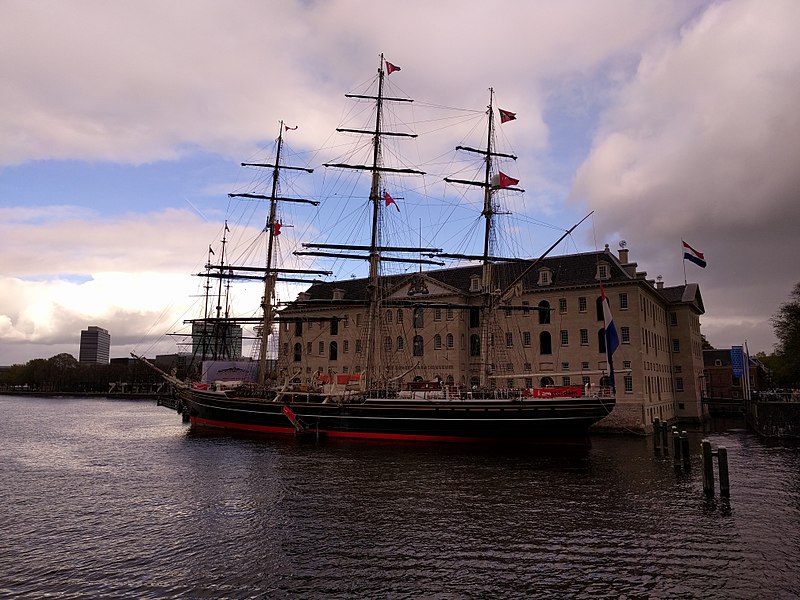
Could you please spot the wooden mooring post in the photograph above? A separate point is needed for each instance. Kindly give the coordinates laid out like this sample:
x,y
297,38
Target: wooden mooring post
x,y
708,470
657,444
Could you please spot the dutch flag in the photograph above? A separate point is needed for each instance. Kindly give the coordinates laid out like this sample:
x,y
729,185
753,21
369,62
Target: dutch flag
x,y
693,255
612,337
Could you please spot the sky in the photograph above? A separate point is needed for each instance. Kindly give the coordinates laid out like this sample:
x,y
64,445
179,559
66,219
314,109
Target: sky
x,y
123,125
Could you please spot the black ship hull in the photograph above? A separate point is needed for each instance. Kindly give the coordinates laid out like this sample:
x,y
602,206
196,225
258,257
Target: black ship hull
x,y
530,420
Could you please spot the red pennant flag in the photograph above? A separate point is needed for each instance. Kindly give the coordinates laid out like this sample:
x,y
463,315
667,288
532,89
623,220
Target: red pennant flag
x,y
276,228
390,200
390,68
287,128
506,181
506,115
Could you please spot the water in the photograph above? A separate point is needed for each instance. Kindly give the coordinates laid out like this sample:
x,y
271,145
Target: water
x,y
117,499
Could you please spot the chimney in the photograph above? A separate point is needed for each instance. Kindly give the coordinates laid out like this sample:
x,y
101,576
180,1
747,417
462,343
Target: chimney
x,y
623,256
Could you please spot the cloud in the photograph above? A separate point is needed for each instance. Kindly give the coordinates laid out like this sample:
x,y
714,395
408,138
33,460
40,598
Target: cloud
x,y
699,146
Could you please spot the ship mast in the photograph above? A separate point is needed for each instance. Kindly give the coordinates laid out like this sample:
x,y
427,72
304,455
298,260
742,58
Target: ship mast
x,y
487,258
375,250
270,274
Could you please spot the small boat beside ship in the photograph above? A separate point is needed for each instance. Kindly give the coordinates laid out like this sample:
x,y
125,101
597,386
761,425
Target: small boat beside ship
x,y
389,388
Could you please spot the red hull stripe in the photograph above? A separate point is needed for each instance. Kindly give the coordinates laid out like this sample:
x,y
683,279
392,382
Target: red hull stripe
x,y
363,435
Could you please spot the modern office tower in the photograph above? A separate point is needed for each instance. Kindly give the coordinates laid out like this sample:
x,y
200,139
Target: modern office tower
x,y
95,345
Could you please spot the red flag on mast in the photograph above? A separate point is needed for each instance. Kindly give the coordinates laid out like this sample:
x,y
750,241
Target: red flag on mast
x,y
506,115
390,68
276,228
506,181
390,200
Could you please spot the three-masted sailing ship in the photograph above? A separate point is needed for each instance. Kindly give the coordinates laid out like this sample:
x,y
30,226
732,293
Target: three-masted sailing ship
x,y
390,390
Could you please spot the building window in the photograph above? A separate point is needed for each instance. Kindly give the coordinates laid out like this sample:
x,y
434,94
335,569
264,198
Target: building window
x,y
309,348
676,345
526,367
437,342
673,319
399,315
298,327
298,352
679,384
526,308
623,301
419,320
389,316
585,364
474,345
449,314
401,343
626,364
474,317
562,305
437,314
509,339
529,382
358,320
322,347
335,327
603,271
475,284
582,304
509,383
628,384
544,312
565,366
387,343
564,337
545,277
450,341
586,380
358,347
584,337
678,369
418,349
566,380
333,351
526,339
545,343
345,346
626,335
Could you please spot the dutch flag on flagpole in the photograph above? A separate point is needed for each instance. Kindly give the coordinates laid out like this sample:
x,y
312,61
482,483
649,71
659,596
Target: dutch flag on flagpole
x,y
693,255
612,337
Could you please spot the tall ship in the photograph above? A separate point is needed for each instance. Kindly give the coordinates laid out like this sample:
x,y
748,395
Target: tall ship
x,y
353,358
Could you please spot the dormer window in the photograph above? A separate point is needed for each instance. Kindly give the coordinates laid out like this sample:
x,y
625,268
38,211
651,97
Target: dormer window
x,y
475,283
603,271
338,294
545,277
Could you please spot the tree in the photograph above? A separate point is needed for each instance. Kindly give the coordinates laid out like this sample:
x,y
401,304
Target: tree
x,y
786,324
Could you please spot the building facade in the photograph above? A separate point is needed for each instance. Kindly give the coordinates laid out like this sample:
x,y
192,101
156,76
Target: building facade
x,y
547,330
95,345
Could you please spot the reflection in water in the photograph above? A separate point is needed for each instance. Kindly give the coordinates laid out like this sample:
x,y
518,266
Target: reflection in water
x,y
120,499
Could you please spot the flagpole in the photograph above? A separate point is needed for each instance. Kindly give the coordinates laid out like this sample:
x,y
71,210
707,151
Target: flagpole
x,y
684,265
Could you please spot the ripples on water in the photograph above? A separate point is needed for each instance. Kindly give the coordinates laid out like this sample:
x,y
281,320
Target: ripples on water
x,y
118,499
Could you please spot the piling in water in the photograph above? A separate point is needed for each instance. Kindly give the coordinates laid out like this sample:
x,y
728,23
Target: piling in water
x,y
708,469
687,459
724,479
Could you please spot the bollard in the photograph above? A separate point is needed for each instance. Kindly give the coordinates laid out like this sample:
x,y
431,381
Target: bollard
x,y
687,459
708,469
724,479
676,449
657,435
665,437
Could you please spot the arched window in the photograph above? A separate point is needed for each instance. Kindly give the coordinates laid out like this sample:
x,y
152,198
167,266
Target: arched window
x,y
450,341
389,315
544,313
547,381
298,352
333,351
418,349
437,342
545,343
601,341
387,343
399,315
474,345
400,343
